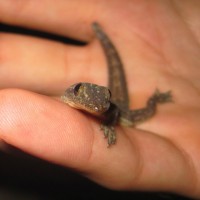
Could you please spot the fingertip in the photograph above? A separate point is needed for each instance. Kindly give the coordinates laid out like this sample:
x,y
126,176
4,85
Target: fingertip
x,y
45,128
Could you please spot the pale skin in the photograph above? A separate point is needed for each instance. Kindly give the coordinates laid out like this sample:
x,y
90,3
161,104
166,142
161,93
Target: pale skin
x,y
158,43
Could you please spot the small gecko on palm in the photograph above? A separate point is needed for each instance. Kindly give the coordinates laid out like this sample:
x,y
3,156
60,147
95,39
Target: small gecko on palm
x,y
111,103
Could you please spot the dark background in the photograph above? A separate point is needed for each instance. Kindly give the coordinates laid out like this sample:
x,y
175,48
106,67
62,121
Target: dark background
x,y
25,177
28,178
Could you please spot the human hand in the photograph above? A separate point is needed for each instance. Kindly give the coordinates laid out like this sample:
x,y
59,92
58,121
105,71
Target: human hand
x,y
158,43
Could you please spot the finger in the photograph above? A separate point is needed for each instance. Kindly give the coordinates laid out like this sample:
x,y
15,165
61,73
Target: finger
x,y
52,131
55,132
69,18
47,67
37,129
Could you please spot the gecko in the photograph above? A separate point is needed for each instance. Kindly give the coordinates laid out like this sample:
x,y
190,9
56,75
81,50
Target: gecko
x,y
111,104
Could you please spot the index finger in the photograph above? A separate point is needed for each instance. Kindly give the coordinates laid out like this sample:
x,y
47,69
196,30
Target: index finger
x,y
68,18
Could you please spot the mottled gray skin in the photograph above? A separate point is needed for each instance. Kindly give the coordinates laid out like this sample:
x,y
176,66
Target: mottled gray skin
x,y
89,97
98,100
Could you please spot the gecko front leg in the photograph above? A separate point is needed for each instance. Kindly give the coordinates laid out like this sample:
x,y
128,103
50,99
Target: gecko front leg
x,y
110,119
109,133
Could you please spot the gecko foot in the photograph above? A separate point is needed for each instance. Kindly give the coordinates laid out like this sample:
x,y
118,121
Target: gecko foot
x,y
162,97
109,132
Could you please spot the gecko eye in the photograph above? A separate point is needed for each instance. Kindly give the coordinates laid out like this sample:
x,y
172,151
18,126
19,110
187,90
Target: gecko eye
x,y
76,88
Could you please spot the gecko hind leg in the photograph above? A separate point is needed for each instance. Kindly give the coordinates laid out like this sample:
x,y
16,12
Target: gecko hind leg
x,y
139,115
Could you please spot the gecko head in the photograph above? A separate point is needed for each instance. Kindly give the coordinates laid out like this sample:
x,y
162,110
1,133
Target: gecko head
x,y
89,97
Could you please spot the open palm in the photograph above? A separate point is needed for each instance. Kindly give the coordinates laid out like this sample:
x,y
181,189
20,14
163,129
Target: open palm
x,y
158,42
